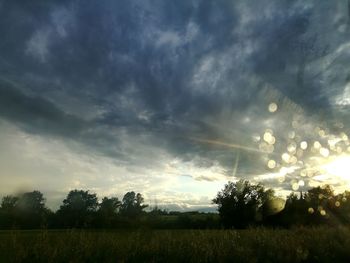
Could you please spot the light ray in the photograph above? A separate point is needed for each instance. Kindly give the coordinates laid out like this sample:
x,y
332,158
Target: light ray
x,y
235,167
230,145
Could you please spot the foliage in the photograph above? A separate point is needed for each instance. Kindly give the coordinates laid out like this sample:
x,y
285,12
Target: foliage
x,y
241,204
31,210
27,210
107,212
8,203
319,205
78,209
109,206
132,205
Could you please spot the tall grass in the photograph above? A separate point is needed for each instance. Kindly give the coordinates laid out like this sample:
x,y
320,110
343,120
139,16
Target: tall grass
x,y
251,245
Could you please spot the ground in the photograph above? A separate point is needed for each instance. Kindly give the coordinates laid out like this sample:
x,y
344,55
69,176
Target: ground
x,y
252,245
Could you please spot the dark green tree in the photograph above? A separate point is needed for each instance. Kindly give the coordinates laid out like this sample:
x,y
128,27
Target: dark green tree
x,y
314,207
78,209
132,205
295,211
27,210
31,202
107,211
31,210
241,204
320,203
8,203
341,207
109,206
8,211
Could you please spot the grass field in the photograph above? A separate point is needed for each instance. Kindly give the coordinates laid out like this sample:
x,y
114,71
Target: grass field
x,y
251,245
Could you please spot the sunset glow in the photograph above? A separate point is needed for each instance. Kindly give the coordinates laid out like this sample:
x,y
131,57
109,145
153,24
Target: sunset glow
x,y
339,167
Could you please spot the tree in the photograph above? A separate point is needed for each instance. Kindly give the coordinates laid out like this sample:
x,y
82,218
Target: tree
x,y
78,209
318,194
132,205
109,206
241,204
7,211
31,202
341,207
27,210
316,206
107,212
8,203
320,201
31,210
295,211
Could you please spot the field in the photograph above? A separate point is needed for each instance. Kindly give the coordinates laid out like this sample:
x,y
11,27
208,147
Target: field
x,y
251,245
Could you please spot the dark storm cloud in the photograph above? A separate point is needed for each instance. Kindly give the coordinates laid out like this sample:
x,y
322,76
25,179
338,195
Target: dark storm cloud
x,y
35,114
285,43
166,70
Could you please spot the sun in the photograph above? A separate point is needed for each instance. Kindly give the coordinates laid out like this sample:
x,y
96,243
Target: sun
x,y
339,167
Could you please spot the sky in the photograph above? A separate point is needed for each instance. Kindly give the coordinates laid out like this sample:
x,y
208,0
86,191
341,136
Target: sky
x,y
173,99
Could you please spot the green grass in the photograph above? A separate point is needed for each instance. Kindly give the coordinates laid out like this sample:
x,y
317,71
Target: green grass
x,y
251,245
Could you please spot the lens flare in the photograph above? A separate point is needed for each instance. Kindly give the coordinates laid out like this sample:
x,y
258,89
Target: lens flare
x,y
273,107
303,145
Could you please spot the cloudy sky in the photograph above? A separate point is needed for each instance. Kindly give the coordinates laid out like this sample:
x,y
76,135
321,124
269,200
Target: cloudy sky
x,y
172,98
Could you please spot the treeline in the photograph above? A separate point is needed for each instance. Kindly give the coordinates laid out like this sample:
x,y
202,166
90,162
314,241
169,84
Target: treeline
x,y
243,204
316,206
81,209
240,205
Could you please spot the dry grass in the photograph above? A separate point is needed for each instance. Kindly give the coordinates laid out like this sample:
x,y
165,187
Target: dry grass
x,y
251,245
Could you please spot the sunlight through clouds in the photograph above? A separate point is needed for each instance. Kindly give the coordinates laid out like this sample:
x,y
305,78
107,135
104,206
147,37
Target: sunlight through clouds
x,y
173,100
